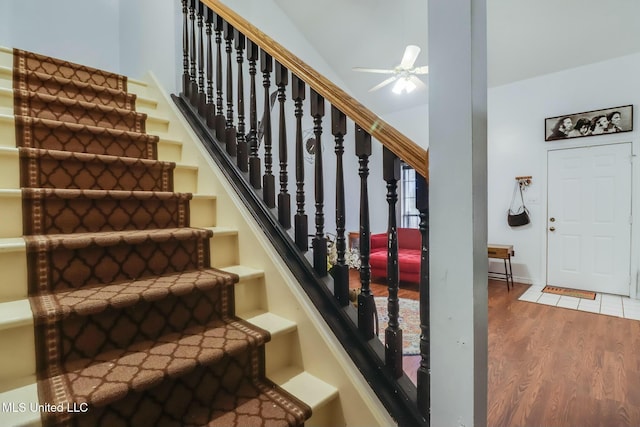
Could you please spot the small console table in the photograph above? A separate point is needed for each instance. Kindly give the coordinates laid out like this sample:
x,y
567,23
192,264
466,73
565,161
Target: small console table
x,y
503,252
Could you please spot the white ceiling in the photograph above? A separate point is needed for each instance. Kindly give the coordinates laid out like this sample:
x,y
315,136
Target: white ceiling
x,y
526,38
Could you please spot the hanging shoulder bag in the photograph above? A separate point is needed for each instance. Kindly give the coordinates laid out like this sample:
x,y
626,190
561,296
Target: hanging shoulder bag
x,y
517,217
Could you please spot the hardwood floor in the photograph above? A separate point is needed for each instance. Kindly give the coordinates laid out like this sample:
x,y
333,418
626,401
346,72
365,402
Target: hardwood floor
x,y
551,366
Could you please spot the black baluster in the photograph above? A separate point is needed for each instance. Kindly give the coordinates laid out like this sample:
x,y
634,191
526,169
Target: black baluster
x,y
255,173
229,130
202,99
366,303
423,376
268,180
319,241
193,90
284,199
210,111
220,120
393,333
340,270
301,222
242,155
186,80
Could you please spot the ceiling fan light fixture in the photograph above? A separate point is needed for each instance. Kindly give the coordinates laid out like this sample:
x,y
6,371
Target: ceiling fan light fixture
x,y
404,74
403,85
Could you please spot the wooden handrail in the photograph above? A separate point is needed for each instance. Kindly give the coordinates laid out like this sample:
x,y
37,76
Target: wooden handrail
x,y
403,147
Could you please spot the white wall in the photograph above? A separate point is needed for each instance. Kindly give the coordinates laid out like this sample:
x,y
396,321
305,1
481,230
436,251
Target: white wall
x,y
6,38
267,16
74,30
151,39
413,122
123,36
517,147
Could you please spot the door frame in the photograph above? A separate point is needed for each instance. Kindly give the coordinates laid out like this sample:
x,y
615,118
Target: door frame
x,y
634,266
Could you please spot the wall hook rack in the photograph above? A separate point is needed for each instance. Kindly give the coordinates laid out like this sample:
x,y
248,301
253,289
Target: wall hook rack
x,y
524,181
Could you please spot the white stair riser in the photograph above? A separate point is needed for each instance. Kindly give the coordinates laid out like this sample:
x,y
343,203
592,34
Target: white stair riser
x,y
185,179
138,87
13,265
146,105
169,152
156,125
6,100
6,58
7,132
17,359
250,295
203,212
11,225
282,351
224,250
9,169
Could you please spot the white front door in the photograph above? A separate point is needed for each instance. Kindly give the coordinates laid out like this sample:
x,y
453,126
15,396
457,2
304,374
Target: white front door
x,y
589,218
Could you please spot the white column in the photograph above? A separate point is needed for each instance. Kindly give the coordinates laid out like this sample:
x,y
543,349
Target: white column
x,y
458,211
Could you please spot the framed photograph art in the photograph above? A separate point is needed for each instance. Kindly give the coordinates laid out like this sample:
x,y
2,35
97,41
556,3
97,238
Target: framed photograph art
x,y
589,123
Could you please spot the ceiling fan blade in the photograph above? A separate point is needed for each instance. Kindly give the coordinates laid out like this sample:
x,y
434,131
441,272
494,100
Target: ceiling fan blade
x,y
409,57
373,70
383,84
421,70
419,83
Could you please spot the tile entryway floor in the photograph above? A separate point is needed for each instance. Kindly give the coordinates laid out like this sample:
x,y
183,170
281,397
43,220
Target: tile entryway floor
x,y
611,305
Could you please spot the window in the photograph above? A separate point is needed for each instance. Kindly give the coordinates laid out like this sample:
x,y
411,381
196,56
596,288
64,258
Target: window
x,y
410,216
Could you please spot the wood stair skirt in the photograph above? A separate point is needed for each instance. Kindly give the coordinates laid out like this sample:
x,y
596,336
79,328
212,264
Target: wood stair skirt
x,y
131,321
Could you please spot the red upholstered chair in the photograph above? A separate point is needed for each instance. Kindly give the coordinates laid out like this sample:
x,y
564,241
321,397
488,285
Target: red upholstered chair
x,y
409,245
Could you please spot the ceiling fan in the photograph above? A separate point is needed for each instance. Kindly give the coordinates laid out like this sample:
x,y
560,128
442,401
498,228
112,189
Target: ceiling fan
x,y
404,74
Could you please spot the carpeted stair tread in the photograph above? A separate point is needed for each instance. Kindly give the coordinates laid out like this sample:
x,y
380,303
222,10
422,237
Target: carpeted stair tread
x,y
111,238
68,169
256,403
110,376
94,299
45,106
230,393
56,135
35,81
65,211
24,60
72,261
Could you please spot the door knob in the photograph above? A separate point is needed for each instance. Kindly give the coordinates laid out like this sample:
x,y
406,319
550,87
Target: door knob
x,y
552,229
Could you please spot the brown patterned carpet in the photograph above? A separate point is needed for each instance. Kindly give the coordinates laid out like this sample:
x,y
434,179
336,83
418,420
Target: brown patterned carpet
x,y
131,320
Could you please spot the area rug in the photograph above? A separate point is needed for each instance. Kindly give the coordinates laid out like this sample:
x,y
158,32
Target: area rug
x,y
569,292
409,321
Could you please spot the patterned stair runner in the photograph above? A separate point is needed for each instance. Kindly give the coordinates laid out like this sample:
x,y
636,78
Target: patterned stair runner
x,y
131,321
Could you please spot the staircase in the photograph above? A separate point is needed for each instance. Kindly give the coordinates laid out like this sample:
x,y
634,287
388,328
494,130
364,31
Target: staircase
x,y
138,258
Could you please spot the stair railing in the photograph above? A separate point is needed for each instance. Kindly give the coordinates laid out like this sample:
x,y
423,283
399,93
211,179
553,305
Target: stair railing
x,y
244,148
